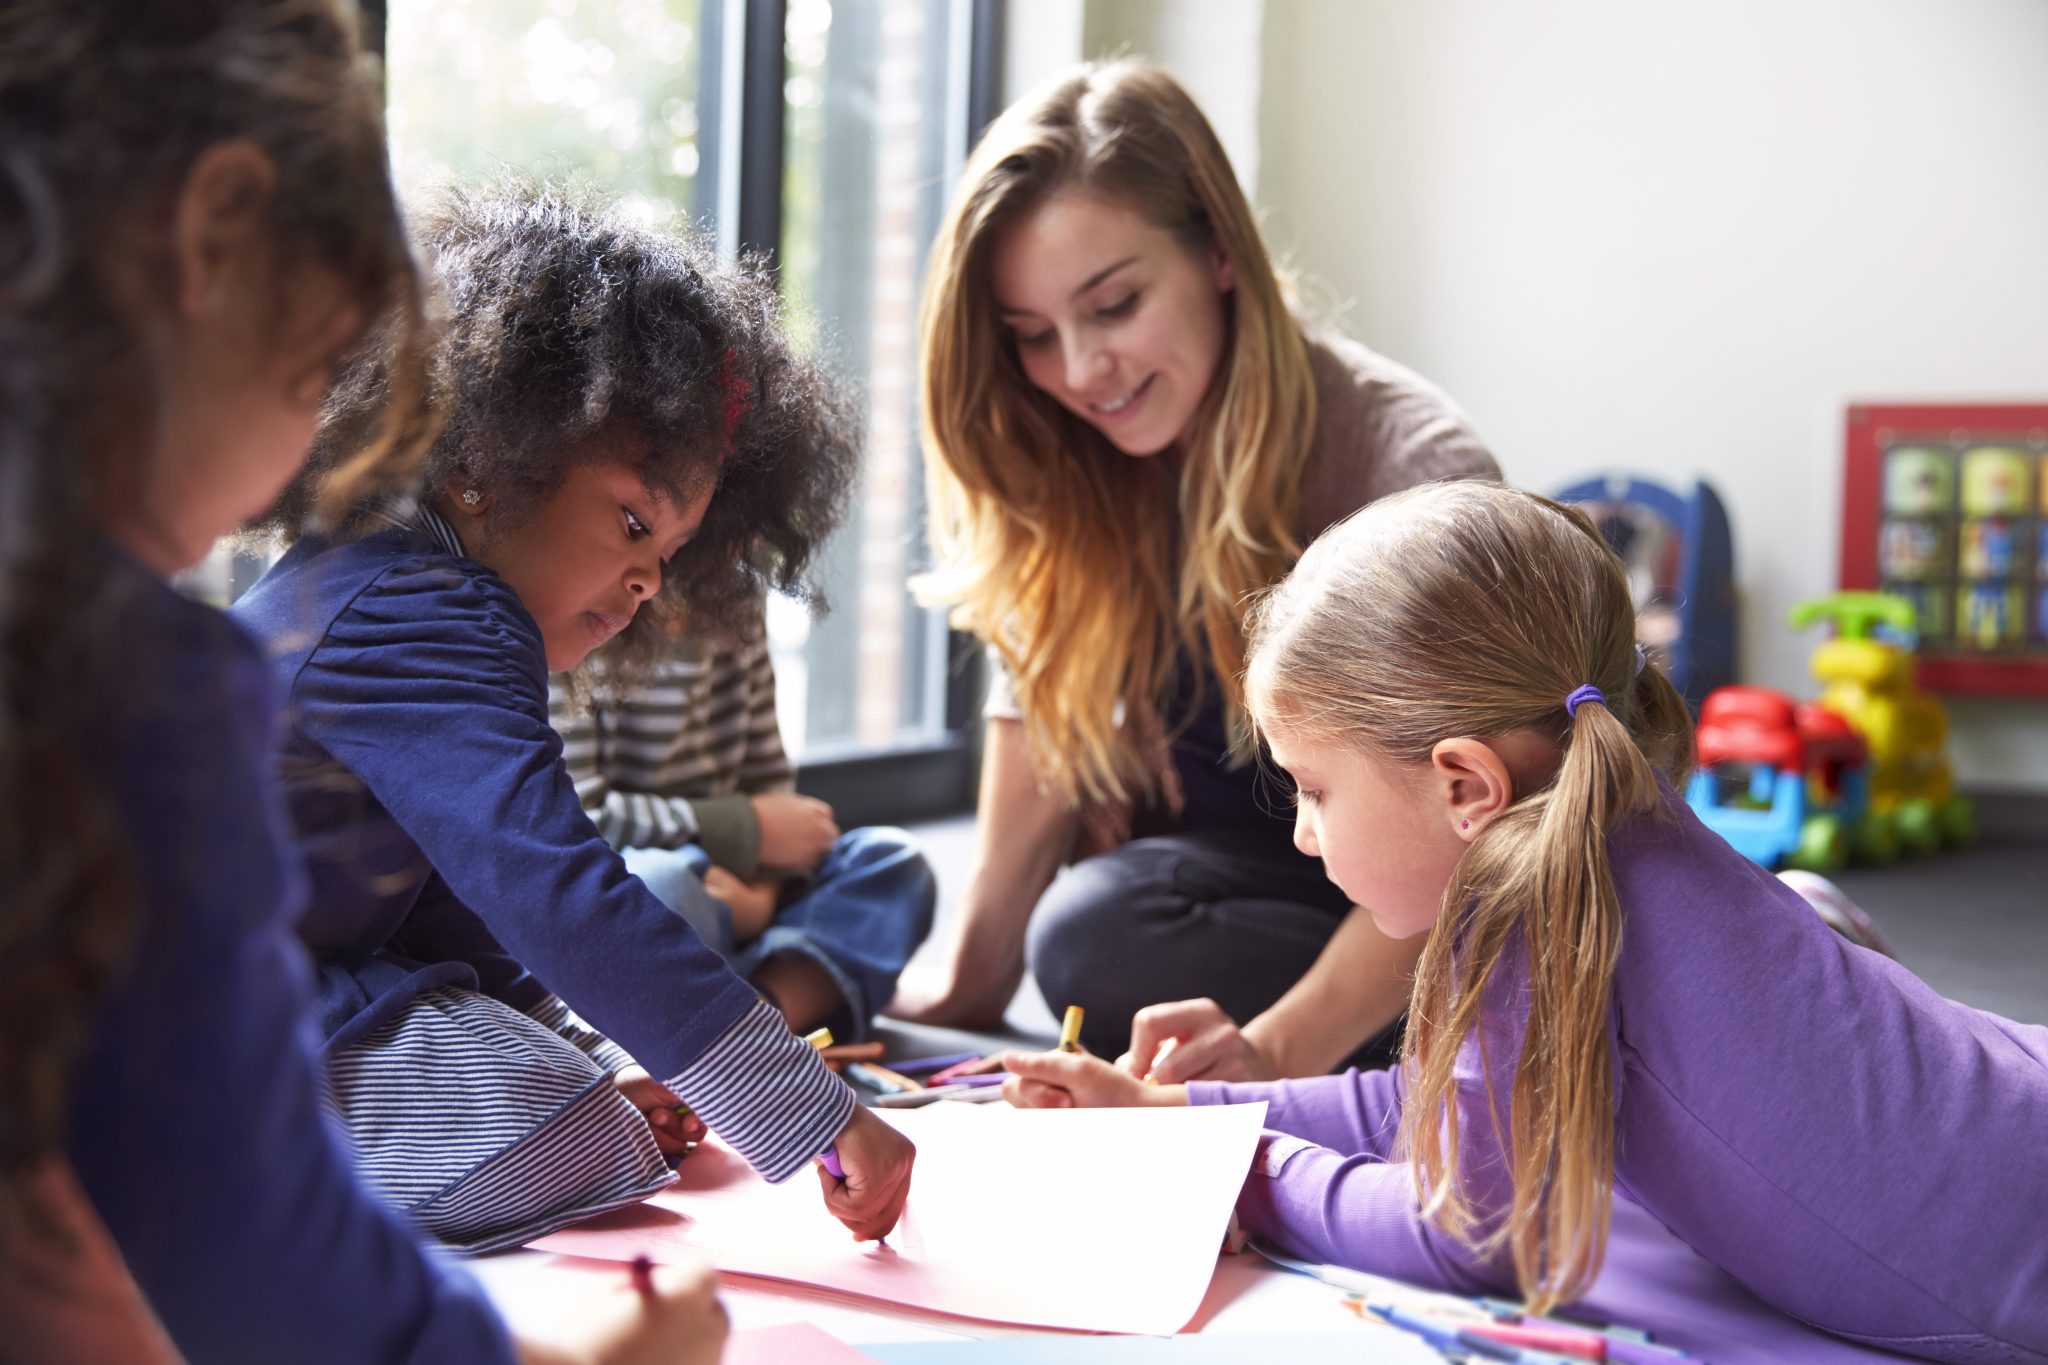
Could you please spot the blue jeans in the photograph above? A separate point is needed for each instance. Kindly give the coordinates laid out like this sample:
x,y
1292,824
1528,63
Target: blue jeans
x,y
862,916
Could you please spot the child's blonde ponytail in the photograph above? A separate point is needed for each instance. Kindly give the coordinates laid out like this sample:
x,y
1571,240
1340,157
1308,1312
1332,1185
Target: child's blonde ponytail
x,y
1476,610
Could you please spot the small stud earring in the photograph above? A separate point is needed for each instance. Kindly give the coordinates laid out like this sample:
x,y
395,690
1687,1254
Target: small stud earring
x,y
470,497
1464,824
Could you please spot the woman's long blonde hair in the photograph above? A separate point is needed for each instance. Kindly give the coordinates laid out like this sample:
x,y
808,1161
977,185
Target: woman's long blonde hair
x,y
1470,609
1051,544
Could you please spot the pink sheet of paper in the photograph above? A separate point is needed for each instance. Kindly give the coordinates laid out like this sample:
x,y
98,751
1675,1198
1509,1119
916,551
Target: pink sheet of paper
x,y
793,1343
1105,1220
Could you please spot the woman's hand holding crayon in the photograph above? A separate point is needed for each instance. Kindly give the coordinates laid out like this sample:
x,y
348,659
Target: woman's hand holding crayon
x,y
877,1160
665,1314
796,831
675,1133
1193,1040
1076,1080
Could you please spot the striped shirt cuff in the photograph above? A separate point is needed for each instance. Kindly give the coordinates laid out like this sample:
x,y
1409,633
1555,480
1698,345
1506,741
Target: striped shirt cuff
x,y
767,1093
552,1012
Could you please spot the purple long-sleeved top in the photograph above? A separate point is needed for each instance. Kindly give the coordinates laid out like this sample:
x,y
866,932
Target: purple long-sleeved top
x,y
1808,1115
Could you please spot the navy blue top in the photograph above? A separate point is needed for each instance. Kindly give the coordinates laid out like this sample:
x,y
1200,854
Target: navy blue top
x,y
1255,798
446,844
194,1123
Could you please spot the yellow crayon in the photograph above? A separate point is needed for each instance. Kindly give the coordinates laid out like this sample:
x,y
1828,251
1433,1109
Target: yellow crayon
x,y
1070,1029
819,1038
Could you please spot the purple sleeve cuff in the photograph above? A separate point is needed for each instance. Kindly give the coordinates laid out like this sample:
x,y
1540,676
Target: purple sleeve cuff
x,y
1357,1113
1358,1212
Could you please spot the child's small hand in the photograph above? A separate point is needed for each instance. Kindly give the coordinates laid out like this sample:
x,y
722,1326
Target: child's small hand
x,y
674,1133
796,831
752,903
1193,1040
877,1161
677,1320
1075,1080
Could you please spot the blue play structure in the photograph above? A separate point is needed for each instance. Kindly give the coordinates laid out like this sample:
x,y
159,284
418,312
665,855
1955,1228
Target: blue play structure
x,y
1765,828
1681,569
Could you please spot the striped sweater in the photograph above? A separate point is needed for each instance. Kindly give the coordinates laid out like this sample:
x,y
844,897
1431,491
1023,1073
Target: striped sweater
x,y
674,759
445,844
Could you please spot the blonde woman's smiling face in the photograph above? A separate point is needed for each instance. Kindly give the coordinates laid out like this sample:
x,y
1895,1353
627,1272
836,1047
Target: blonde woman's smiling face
x,y
1120,322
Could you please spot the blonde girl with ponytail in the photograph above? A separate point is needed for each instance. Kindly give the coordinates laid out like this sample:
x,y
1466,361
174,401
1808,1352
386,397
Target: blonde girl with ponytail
x,y
1609,997
1128,431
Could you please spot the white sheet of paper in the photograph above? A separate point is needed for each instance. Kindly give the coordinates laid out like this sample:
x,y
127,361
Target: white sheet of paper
x,y
1106,1220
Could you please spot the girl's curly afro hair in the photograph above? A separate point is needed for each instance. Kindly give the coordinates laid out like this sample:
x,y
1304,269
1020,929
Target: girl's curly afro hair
x,y
567,326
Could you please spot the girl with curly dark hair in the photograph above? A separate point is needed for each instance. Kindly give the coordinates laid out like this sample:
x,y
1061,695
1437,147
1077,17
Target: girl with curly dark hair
x,y
628,435
196,220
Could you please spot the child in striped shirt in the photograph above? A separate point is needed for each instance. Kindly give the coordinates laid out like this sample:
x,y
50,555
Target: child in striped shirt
x,y
685,774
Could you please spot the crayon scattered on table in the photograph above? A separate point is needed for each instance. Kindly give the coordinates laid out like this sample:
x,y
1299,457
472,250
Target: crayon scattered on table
x,y
1463,1342
929,1066
980,1066
953,1094
1506,1311
879,1078
1576,1343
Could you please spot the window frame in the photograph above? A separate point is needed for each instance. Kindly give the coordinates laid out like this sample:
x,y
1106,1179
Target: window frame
x,y
743,45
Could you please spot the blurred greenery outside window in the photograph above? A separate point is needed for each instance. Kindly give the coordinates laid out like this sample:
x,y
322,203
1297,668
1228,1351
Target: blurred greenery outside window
x,y
642,99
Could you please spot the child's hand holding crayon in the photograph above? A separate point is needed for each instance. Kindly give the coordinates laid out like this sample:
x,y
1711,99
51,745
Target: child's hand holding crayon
x,y
675,1133
1076,1080
876,1160
662,1313
1194,1040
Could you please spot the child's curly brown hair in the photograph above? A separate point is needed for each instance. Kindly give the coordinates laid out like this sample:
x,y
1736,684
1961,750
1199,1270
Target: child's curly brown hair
x,y
567,323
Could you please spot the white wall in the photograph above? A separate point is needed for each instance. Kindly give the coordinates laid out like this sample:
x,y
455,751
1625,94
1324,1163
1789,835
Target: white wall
x,y
1674,237
1678,237
1211,46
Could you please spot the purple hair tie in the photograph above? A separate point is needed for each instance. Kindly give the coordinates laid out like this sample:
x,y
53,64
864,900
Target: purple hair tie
x,y
1584,694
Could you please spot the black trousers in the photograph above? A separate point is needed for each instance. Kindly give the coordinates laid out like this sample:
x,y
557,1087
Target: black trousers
x,y
1234,915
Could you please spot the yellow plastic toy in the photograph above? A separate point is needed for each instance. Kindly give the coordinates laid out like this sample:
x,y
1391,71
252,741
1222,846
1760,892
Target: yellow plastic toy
x,y
1868,681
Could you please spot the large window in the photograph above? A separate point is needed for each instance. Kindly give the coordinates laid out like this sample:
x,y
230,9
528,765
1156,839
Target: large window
x,y
603,92
825,133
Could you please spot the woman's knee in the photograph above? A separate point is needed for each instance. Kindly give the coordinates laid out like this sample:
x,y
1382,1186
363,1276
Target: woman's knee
x,y
1087,940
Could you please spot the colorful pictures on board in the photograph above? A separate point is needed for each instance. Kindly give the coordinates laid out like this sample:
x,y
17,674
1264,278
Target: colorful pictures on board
x,y
1964,537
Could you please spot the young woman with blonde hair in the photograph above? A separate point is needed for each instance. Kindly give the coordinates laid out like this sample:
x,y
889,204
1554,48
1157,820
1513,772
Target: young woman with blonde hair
x,y
1129,430
1611,1001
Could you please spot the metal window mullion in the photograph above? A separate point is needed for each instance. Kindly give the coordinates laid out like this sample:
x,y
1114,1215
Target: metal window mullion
x,y
984,66
760,105
981,102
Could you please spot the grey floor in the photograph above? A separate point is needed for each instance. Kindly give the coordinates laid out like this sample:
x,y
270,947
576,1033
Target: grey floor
x,y
1973,922
949,844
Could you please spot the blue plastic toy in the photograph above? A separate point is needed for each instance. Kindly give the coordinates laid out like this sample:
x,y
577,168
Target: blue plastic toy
x,y
1681,562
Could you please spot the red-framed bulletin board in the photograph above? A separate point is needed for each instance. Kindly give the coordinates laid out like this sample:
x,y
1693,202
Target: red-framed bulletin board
x,y
1947,504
